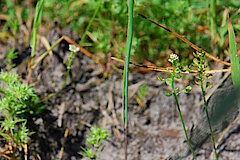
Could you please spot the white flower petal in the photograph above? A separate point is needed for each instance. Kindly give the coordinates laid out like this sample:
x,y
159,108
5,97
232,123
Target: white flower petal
x,y
73,48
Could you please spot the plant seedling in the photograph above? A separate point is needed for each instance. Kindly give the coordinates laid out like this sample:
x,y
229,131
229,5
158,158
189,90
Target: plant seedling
x,y
17,101
94,141
74,50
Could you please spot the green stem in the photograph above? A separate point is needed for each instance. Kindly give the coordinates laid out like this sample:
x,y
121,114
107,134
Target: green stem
x,y
126,71
205,105
180,113
126,65
73,54
47,52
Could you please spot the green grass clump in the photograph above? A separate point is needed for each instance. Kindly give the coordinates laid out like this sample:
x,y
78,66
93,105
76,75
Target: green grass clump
x,y
94,143
17,102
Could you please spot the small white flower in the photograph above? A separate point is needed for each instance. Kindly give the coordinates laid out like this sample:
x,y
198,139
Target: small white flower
x,y
173,57
200,54
73,48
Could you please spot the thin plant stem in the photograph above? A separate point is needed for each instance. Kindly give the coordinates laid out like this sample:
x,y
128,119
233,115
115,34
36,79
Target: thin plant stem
x,y
180,113
125,74
73,54
205,105
47,52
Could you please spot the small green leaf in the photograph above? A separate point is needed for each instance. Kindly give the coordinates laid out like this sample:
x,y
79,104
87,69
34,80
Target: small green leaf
x,y
188,89
168,94
208,84
143,91
169,81
88,153
160,79
178,76
6,136
195,55
196,81
178,70
195,62
207,75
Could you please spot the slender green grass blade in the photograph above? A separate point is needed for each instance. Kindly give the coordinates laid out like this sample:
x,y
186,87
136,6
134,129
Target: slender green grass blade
x,y
127,58
235,67
90,23
125,74
36,23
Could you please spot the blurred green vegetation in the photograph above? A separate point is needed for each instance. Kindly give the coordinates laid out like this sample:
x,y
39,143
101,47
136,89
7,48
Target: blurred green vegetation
x,y
107,34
